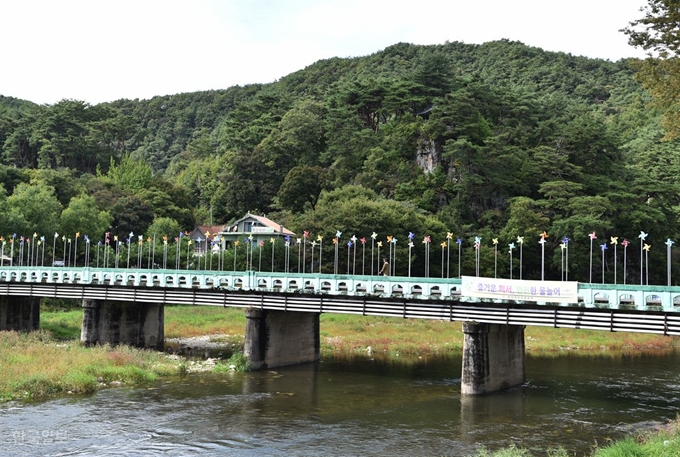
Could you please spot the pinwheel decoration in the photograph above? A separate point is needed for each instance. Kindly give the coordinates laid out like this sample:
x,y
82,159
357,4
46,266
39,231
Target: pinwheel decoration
x,y
287,252
349,247
614,241
272,241
478,244
63,238
544,236
390,246
563,247
35,245
668,243
511,247
260,245
394,258
363,255
42,242
410,247
459,242
354,240
443,245
642,237
54,247
336,241
165,251
319,238
148,259
249,247
520,243
373,237
565,242
449,237
313,244
248,240
625,244
21,250
592,237
646,248
495,257
426,242
305,235
129,240
299,243
603,247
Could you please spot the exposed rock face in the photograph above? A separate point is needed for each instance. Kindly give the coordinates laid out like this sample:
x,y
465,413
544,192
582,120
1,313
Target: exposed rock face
x,y
428,156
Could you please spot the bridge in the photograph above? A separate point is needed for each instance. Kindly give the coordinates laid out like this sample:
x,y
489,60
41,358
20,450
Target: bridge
x,y
282,309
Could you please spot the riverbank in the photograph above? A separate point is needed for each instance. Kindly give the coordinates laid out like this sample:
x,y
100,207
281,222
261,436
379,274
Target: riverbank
x,y
661,441
52,361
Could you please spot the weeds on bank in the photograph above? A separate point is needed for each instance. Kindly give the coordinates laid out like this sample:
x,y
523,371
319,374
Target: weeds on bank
x,y
663,441
237,362
547,340
35,365
514,451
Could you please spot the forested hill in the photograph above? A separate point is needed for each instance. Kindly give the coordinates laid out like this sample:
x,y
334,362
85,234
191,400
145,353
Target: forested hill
x,y
497,140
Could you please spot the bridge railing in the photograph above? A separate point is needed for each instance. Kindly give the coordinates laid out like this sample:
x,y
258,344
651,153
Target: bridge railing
x,y
601,296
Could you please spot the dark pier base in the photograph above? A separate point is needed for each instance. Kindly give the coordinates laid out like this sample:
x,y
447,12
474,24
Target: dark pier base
x,y
280,338
493,358
132,323
19,313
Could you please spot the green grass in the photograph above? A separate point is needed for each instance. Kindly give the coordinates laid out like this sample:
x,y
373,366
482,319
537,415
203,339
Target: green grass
x,y
238,361
35,365
188,321
661,442
63,325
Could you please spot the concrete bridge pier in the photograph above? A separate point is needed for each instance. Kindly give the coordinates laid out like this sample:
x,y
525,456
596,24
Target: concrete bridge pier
x,y
19,313
280,338
114,322
493,358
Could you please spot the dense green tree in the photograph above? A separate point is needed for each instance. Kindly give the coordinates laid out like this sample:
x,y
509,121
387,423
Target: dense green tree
x,y
130,174
302,186
356,211
658,33
32,208
130,214
82,215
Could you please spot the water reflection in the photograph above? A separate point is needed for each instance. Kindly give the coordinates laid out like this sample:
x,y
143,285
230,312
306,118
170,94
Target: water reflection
x,y
355,406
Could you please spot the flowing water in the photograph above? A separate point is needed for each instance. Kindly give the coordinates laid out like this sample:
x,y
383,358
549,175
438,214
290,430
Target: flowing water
x,y
367,407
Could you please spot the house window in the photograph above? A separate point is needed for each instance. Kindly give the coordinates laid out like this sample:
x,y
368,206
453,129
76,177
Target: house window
x,y
247,226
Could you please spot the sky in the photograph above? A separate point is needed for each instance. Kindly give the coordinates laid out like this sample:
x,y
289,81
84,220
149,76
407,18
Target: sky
x,y
103,50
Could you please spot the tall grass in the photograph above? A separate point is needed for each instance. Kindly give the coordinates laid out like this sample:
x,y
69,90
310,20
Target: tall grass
x,y
34,365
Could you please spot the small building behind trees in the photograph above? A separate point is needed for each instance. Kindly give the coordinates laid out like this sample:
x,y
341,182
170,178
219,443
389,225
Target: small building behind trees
x,y
256,228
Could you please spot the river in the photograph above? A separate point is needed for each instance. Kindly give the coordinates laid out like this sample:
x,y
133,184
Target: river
x,y
367,407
